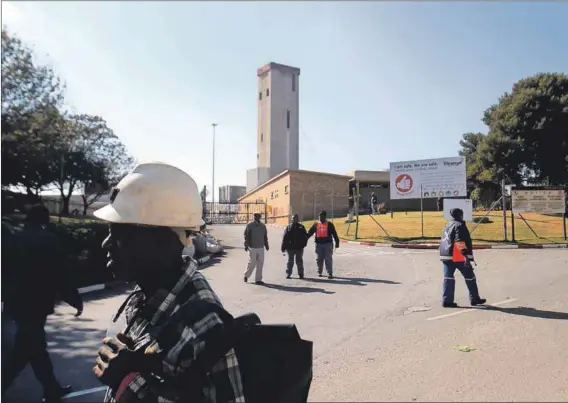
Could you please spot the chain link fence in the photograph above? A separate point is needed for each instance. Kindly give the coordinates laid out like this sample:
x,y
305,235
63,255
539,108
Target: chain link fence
x,y
490,224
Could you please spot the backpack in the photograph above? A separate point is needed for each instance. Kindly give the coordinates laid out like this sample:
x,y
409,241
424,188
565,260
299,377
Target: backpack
x,y
274,361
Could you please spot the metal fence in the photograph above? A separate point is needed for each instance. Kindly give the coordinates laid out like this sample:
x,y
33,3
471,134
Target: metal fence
x,y
334,204
233,213
497,223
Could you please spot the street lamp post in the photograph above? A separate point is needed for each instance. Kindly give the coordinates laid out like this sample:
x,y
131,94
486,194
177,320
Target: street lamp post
x,y
214,125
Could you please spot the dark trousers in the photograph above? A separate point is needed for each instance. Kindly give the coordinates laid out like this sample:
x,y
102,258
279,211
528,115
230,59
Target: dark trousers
x,y
30,347
298,255
449,286
324,254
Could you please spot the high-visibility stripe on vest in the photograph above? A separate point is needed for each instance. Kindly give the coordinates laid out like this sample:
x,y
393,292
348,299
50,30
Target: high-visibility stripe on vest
x,y
321,230
457,255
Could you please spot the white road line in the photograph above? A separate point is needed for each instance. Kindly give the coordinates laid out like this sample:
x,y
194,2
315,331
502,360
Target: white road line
x,y
85,392
91,288
473,309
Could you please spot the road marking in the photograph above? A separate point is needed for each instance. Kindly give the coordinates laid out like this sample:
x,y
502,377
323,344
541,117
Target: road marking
x,y
85,392
472,309
90,288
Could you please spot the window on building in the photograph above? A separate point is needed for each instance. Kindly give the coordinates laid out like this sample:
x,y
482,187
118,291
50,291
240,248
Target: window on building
x,y
293,83
271,195
276,194
260,96
268,92
287,119
261,137
286,189
257,156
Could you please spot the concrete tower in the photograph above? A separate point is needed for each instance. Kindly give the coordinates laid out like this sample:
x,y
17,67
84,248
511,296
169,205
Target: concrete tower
x,y
278,137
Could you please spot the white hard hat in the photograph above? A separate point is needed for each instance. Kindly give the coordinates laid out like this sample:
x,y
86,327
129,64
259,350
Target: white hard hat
x,y
155,194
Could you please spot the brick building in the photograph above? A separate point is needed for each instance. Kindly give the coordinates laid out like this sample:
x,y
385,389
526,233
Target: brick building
x,y
303,192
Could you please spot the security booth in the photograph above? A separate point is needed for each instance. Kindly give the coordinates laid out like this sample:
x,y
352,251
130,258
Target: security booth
x,y
368,182
379,183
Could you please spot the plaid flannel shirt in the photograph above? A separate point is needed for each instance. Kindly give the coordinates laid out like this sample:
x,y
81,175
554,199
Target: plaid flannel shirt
x,y
183,343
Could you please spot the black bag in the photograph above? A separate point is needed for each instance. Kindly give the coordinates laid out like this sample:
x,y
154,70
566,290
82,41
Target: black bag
x,y
275,363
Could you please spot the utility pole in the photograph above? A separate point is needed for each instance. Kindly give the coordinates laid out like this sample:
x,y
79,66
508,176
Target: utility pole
x,y
214,125
504,206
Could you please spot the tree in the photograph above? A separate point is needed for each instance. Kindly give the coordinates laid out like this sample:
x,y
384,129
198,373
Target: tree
x,y
528,131
31,121
95,160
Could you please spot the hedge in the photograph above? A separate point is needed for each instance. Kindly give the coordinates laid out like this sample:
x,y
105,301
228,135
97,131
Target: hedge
x,y
81,239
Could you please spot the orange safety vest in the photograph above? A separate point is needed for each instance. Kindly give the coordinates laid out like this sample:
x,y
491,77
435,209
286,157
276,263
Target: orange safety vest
x,y
457,255
321,230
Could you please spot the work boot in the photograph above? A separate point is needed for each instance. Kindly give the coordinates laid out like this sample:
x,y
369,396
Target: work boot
x,y
246,279
288,276
259,282
301,276
479,301
330,276
56,396
450,305
320,274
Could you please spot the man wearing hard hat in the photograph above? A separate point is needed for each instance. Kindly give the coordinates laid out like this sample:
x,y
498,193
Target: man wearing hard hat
x,y
157,357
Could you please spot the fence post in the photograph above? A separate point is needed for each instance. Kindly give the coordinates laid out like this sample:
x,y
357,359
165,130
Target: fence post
x,y
315,209
504,208
332,206
512,224
302,208
356,212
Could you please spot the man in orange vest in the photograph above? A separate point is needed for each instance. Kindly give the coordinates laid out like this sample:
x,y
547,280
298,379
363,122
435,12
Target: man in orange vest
x,y
325,235
456,252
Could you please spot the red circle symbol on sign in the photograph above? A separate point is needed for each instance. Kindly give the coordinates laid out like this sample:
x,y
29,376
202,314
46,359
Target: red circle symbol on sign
x,y
403,183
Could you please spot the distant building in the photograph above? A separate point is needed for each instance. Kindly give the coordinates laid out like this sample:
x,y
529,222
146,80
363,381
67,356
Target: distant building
x,y
230,194
303,192
278,136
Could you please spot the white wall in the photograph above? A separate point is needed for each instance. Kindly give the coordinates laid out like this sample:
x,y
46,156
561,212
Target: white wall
x,y
284,152
275,149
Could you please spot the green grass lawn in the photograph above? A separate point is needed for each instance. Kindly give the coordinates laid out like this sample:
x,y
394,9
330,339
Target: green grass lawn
x,y
406,227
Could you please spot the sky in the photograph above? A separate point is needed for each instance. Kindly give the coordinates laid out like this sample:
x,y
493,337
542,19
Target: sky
x,y
380,82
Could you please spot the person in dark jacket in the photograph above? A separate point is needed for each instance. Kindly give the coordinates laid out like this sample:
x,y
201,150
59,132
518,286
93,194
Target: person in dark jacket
x,y
373,202
294,241
325,235
39,277
456,252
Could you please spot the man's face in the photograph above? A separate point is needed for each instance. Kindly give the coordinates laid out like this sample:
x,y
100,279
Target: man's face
x,y
322,217
295,218
131,250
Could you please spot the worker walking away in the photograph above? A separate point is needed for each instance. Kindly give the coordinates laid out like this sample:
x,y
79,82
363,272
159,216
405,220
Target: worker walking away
x,y
294,241
373,202
256,240
325,235
174,320
456,252
39,277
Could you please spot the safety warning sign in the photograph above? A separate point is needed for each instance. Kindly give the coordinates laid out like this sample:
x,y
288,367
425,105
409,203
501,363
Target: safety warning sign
x,y
441,177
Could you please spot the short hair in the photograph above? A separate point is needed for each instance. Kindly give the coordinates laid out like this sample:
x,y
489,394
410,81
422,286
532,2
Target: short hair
x,y
323,212
38,214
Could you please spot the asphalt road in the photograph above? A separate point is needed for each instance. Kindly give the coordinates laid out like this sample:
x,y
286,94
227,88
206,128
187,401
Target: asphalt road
x,y
379,331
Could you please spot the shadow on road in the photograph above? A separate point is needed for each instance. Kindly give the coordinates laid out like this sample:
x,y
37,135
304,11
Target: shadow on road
x,y
300,289
110,291
351,281
530,312
73,346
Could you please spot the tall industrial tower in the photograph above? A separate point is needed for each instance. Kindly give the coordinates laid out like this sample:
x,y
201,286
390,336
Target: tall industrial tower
x,y
278,137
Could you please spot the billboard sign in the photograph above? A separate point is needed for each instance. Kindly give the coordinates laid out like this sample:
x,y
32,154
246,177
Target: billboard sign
x,y
441,177
465,205
543,201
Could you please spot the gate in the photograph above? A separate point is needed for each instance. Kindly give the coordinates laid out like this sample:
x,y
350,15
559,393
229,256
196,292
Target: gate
x,y
232,213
